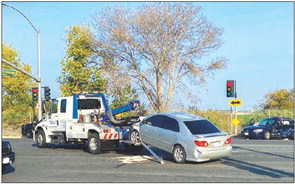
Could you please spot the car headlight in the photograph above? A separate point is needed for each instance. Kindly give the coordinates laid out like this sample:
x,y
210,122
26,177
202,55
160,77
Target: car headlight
x,y
258,130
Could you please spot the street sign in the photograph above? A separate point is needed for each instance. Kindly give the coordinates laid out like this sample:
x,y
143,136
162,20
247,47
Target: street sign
x,y
235,122
8,72
236,102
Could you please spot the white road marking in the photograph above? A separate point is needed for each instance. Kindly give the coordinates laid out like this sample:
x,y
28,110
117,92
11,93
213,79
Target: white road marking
x,y
133,159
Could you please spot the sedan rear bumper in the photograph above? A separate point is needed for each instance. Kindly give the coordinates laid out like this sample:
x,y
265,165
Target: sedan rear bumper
x,y
206,155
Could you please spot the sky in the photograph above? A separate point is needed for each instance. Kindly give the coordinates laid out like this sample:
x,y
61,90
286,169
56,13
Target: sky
x,y
258,41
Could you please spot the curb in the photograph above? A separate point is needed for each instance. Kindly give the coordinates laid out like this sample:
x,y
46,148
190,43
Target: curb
x,y
11,137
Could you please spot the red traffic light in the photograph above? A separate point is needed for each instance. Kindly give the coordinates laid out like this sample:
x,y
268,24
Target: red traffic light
x,y
34,90
229,83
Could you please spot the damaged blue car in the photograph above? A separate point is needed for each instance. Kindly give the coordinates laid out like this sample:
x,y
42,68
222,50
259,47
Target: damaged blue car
x,y
274,127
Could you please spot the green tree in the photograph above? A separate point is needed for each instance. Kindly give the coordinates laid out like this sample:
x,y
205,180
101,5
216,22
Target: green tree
x,y
282,99
160,47
16,95
77,71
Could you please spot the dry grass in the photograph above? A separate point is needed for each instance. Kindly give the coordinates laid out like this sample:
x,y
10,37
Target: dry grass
x,y
10,132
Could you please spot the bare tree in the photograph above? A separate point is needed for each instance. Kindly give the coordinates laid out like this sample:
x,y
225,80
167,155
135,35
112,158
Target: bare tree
x,y
159,46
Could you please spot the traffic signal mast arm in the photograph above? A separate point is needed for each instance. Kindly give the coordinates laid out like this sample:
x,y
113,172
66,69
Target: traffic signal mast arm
x,y
24,72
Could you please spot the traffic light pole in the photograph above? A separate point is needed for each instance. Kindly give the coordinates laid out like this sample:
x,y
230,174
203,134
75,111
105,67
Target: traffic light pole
x,y
236,115
231,118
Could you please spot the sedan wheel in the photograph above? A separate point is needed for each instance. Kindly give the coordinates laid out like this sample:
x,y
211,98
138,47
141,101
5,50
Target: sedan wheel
x,y
134,136
266,135
179,154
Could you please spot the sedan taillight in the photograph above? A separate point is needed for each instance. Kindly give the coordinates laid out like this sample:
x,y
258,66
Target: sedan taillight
x,y
228,141
201,143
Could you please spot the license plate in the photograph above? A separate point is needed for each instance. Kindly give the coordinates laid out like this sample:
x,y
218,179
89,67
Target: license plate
x,y
6,160
215,144
246,133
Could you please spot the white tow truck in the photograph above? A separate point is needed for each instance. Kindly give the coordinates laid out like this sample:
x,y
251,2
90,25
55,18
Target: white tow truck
x,y
87,117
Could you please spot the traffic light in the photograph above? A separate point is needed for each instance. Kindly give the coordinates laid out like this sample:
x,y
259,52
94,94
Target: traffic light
x,y
230,88
47,93
35,93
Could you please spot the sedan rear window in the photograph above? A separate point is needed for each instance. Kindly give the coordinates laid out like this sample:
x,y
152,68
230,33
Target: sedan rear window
x,y
201,127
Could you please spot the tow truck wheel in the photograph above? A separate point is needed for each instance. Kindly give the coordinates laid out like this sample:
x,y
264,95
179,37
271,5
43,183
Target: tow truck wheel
x,y
41,140
94,143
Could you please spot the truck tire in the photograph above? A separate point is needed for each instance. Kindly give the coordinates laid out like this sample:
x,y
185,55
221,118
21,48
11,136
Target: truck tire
x,y
41,139
94,143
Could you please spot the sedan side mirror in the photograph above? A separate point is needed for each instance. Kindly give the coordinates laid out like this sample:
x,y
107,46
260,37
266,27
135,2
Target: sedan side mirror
x,y
252,122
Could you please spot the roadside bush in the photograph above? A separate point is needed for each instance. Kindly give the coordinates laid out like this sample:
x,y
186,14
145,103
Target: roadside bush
x,y
261,114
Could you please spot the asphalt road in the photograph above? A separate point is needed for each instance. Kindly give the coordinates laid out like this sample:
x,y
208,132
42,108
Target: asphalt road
x,y
251,161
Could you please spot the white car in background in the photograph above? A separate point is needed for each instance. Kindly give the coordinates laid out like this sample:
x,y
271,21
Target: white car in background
x,y
188,137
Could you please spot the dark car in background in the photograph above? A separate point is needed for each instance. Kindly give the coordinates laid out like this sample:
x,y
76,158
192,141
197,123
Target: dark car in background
x,y
8,157
27,130
274,127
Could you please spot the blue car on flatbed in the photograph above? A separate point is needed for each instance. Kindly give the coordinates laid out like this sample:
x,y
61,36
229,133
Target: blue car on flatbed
x,y
274,127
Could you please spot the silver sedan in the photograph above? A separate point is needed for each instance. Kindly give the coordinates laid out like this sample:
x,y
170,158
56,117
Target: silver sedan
x,y
188,137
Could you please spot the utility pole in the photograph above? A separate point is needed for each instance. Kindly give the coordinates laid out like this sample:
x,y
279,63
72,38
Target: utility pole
x,y
39,76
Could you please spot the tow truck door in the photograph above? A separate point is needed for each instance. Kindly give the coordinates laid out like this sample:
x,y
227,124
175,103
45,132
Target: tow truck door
x,y
58,114
53,113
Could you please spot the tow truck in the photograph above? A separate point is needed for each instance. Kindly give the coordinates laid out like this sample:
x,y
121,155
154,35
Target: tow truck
x,y
87,117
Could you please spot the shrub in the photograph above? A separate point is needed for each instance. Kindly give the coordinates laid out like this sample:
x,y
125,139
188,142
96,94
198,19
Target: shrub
x,y
261,114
